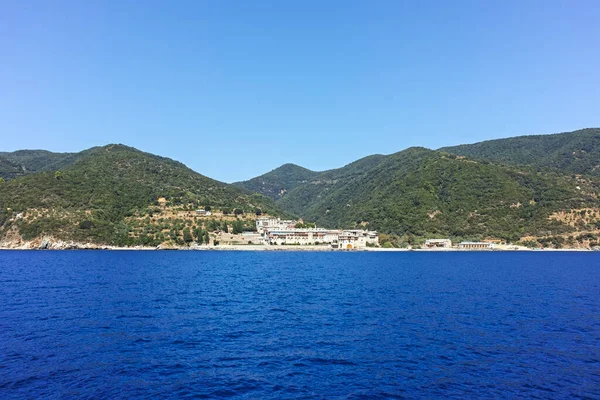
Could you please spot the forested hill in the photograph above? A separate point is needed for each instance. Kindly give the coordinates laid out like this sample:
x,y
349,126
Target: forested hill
x,y
25,162
9,170
572,152
104,188
423,193
276,183
531,188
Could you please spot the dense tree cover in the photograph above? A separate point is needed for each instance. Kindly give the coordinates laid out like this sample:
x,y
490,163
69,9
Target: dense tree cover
x,y
9,170
24,162
237,227
303,225
284,178
277,183
575,152
108,184
303,196
423,193
505,189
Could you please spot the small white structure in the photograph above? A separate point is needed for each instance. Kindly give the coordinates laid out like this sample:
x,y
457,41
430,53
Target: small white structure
x,y
438,243
476,245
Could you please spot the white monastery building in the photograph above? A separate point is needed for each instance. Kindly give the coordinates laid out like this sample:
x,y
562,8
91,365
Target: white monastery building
x,y
284,232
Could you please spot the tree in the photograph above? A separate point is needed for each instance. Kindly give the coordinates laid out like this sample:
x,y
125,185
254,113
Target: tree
x,y
249,226
305,225
199,234
257,211
238,227
187,236
238,211
212,225
86,225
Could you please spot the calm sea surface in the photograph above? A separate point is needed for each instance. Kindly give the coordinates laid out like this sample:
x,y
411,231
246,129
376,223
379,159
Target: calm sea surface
x,y
100,324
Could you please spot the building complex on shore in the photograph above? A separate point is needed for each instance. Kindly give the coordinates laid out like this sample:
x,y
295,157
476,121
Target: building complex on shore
x,y
447,244
275,231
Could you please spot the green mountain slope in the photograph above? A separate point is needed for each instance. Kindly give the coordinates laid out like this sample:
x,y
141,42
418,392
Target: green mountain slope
x,y
424,193
574,152
303,197
107,185
9,170
31,161
276,183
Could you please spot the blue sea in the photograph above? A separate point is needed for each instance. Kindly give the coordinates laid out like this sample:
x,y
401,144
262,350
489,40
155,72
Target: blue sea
x,y
270,325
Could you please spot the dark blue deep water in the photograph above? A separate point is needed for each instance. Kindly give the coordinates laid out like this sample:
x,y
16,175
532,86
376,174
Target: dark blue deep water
x,y
263,325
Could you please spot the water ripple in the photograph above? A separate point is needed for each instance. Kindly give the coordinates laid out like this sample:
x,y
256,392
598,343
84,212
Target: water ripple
x,y
299,325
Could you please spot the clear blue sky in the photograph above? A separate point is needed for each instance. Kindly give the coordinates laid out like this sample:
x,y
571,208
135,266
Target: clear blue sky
x,y
236,88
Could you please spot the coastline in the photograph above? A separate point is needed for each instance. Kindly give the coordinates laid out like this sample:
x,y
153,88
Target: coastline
x,y
62,246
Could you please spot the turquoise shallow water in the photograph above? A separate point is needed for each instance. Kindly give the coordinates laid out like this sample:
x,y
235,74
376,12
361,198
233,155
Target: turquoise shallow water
x,y
100,324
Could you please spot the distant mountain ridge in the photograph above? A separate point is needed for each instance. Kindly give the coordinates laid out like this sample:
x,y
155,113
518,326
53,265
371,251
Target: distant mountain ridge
x,y
574,152
461,193
421,192
25,162
531,189
276,183
10,170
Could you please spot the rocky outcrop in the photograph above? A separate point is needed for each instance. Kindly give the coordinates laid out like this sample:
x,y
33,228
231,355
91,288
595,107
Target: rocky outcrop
x,y
49,243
